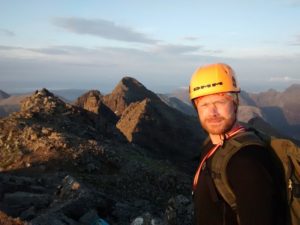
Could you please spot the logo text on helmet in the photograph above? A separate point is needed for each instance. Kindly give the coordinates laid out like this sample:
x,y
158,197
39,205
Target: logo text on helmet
x,y
208,86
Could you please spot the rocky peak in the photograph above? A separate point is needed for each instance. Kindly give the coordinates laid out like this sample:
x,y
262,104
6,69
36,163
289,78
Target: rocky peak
x,y
3,95
42,101
294,87
93,101
127,91
291,94
90,101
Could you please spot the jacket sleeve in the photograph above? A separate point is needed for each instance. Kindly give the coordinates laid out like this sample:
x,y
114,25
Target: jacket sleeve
x,y
254,182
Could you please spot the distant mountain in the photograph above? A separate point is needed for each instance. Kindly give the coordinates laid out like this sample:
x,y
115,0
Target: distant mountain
x,y
245,99
281,109
287,101
178,104
262,125
69,94
246,113
3,95
11,104
181,94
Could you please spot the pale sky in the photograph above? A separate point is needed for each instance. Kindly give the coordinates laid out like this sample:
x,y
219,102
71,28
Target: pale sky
x,y
92,44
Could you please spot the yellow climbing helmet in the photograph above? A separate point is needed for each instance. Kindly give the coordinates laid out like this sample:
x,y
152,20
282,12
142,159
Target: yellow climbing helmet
x,y
213,79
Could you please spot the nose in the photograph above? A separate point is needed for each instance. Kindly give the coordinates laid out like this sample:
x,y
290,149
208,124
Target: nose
x,y
212,109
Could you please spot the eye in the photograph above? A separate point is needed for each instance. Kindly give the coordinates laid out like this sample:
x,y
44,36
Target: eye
x,y
203,105
221,102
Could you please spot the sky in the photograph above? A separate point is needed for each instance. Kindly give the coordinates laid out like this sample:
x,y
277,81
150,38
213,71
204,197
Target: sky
x,y
92,44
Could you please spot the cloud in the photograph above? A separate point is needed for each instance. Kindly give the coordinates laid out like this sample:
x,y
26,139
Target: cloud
x,y
152,66
6,32
296,40
2,47
293,3
160,67
284,79
102,28
190,38
83,55
175,49
51,51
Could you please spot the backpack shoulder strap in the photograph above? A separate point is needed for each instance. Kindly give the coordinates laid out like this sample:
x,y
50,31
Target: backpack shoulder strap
x,y
221,158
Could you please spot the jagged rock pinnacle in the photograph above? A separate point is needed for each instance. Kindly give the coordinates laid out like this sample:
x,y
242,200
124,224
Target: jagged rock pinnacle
x,y
128,90
42,100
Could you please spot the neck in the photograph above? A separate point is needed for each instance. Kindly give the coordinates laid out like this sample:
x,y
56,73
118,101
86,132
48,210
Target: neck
x,y
218,138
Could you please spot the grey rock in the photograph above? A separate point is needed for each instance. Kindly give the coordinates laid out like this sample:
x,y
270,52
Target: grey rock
x,y
24,200
53,219
179,211
147,219
89,218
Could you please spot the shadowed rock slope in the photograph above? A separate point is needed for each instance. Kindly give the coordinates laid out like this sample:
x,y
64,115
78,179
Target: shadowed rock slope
x,y
178,104
147,121
93,101
167,132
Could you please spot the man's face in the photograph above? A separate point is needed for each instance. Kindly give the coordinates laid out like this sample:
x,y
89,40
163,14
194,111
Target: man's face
x,y
217,113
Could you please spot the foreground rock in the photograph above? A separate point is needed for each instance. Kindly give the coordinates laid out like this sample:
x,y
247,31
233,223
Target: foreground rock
x,y
61,165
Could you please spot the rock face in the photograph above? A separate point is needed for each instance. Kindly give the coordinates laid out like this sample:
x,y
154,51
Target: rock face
x,y
128,90
154,125
60,164
93,101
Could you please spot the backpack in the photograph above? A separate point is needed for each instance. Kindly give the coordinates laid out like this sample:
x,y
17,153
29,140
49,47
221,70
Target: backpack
x,y
286,151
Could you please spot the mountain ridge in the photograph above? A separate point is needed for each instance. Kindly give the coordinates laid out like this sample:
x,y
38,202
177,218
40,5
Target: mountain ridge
x,y
125,156
58,156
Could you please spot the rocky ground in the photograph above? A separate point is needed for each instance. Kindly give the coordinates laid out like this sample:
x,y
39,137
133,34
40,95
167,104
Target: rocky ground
x,y
65,164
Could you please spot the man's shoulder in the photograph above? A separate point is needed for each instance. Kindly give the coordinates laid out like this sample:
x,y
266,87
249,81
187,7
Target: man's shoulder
x,y
251,154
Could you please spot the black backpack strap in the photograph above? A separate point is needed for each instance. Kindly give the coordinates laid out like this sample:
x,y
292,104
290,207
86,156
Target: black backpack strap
x,y
221,158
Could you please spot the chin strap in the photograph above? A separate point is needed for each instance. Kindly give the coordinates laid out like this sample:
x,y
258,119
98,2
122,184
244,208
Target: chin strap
x,y
223,137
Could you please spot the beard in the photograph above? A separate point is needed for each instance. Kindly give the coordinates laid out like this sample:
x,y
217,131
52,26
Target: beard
x,y
218,125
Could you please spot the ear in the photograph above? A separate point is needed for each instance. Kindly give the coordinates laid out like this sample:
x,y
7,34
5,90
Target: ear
x,y
194,104
236,103
236,107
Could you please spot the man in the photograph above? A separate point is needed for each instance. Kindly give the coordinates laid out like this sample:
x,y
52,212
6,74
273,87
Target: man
x,y
254,176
